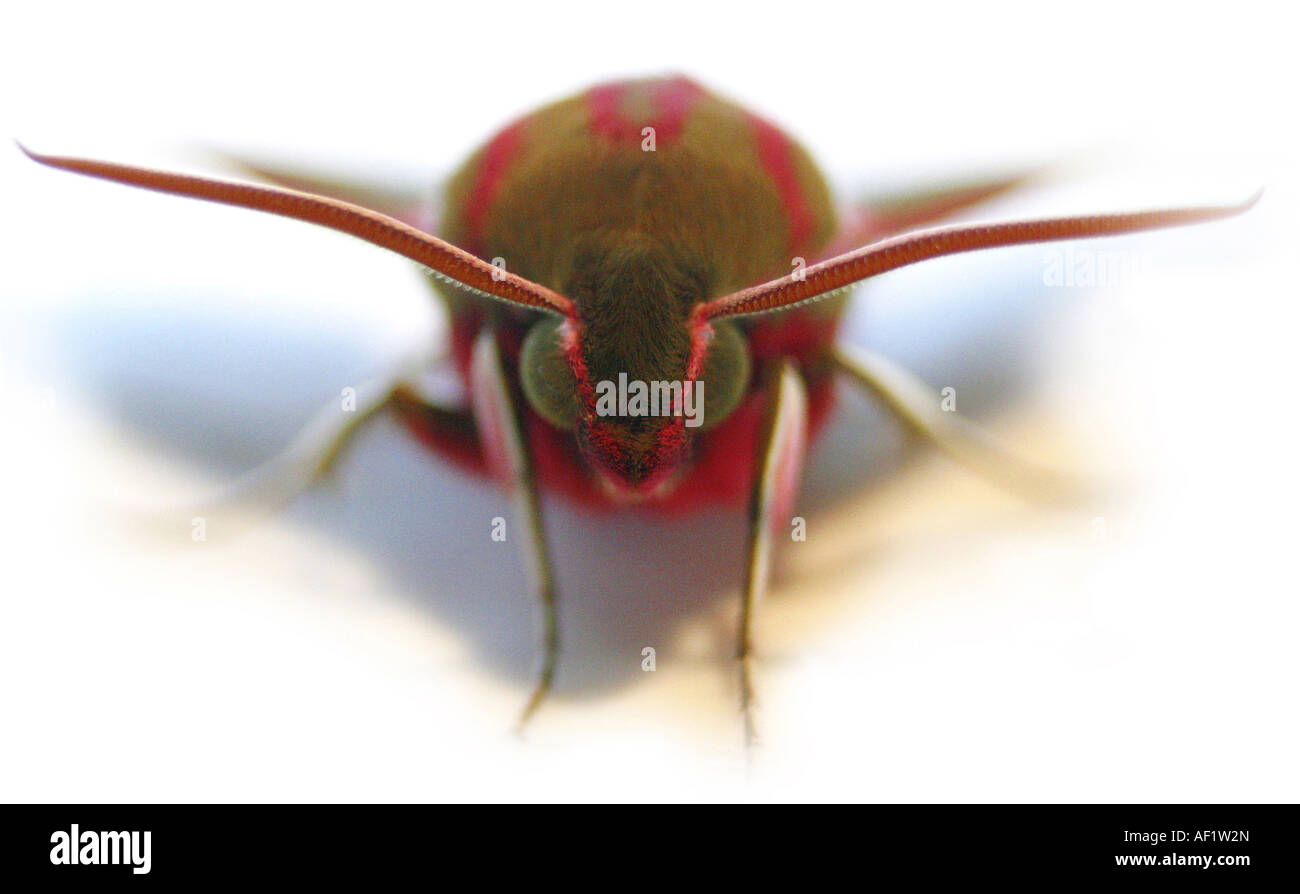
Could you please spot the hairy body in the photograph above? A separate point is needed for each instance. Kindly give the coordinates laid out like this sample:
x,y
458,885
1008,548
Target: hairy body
x,y
576,197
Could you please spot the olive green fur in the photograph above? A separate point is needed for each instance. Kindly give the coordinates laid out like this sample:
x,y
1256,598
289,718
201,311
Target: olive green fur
x,y
636,238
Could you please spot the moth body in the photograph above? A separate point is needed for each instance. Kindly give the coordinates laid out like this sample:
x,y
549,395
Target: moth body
x,y
639,200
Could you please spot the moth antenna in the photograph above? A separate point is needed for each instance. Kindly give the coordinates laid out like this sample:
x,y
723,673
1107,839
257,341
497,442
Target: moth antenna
x,y
839,273
441,258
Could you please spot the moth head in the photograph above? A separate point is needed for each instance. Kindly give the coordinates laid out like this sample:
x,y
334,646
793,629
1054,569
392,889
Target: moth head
x,y
635,432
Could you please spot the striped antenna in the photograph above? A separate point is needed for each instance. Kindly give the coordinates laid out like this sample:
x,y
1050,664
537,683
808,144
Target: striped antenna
x,y
839,273
441,258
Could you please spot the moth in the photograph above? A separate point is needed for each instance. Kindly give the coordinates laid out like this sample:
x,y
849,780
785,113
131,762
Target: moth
x,y
645,284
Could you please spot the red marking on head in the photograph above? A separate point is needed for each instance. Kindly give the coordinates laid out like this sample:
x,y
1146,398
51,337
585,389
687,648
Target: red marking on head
x,y
601,442
701,338
674,98
571,342
776,153
671,100
607,453
603,101
487,181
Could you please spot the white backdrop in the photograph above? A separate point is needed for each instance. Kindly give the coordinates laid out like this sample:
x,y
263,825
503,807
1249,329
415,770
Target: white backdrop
x,y
933,639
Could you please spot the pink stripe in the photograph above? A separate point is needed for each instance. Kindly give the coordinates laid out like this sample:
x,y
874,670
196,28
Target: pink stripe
x,y
487,182
671,101
776,154
603,103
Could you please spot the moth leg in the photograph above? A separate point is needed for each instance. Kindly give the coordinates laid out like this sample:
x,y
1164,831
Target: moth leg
x,y
919,407
776,479
311,456
447,431
877,217
501,435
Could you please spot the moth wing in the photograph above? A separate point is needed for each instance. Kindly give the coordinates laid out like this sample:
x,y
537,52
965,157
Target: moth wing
x,y
888,214
414,206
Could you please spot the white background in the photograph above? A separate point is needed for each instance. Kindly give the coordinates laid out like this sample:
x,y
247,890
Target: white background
x,y
933,640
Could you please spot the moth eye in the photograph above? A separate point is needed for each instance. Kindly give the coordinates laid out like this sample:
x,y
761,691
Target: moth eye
x,y
548,382
726,373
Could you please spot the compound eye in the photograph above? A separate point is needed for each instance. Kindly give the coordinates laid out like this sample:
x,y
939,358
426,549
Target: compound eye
x,y
549,384
726,372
